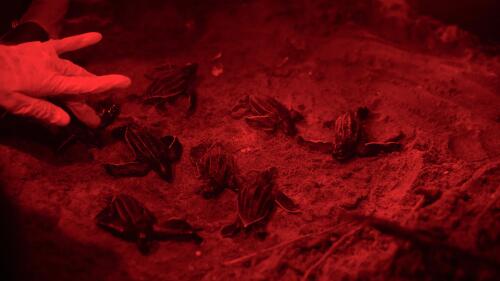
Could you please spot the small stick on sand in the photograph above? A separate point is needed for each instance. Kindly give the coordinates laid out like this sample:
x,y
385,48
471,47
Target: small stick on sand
x,y
330,251
280,245
424,238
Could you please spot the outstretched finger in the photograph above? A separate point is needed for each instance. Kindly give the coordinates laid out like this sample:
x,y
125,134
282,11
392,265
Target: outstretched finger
x,y
76,42
88,84
44,111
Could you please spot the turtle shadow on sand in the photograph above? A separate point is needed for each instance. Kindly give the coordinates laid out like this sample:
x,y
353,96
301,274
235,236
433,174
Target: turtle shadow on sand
x,y
38,141
58,145
34,248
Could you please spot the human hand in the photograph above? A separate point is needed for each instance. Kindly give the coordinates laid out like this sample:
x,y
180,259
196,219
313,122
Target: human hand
x,y
32,71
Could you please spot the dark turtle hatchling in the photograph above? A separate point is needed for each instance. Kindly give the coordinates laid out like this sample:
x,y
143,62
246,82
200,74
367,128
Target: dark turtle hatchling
x,y
350,138
216,167
169,82
127,218
61,138
150,153
76,131
267,113
256,201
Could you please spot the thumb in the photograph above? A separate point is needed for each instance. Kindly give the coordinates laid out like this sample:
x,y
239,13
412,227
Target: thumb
x,y
84,113
19,104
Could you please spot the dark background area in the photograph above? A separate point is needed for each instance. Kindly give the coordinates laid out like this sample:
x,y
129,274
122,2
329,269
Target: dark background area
x,y
479,17
321,57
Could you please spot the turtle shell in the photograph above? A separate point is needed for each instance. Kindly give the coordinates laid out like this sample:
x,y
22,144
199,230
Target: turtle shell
x,y
171,80
347,134
256,198
150,152
216,166
126,217
267,112
128,212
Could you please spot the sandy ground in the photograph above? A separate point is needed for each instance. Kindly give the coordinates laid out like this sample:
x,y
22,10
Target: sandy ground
x,y
446,105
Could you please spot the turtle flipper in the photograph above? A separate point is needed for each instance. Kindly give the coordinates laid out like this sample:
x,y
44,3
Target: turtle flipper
x,y
165,171
173,148
119,132
130,169
177,229
71,139
180,225
363,112
259,231
286,203
161,106
231,229
319,146
171,152
192,102
115,229
144,242
198,151
296,116
267,123
241,107
233,184
375,148
209,190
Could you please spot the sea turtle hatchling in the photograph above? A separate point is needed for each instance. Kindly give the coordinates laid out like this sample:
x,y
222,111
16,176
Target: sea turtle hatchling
x,y
256,201
216,167
350,138
125,217
78,132
267,113
169,82
150,153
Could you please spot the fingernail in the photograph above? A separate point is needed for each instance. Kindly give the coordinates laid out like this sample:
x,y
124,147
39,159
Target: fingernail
x,y
61,119
127,82
122,81
94,36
